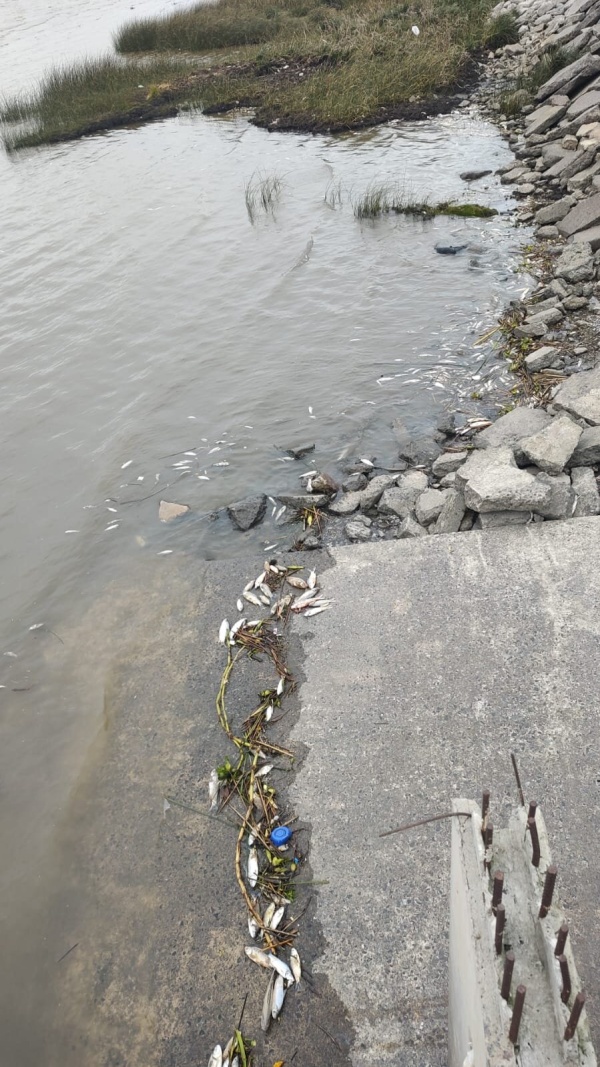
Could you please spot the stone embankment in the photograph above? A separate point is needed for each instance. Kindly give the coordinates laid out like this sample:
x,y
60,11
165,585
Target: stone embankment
x,y
539,461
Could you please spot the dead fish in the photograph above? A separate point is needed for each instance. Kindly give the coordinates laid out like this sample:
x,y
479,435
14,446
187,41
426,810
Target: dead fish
x,y
269,713
305,597
253,927
269,913
249,585
295,964
281,967
366,461
295,582
280,513
313,611
280,686
252,867
276,918
262,771
213,789
223,631
257,955
240,604
312,580
252,599
259,581
278,997
265,1019
228,1049
266,591
216,1059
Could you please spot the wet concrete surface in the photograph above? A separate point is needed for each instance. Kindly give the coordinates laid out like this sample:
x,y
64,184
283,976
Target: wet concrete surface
x,y
130,948
440,657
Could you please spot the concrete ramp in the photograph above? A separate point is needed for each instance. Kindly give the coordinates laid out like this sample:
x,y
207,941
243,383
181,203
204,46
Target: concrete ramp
x,y
438,658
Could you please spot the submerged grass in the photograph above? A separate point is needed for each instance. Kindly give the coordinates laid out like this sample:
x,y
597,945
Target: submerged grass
x,y
302,64
386,199
262,193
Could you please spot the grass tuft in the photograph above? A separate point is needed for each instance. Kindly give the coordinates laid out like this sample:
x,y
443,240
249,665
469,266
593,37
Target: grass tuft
x,y
387,199
502,30
262,194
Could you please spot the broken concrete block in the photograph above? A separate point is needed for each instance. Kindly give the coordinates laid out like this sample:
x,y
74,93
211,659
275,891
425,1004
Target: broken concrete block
x,y
551,448
541,358
510,429
585,488
504,488
585,214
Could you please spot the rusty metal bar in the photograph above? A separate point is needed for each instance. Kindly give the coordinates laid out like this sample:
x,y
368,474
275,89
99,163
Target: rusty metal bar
x,y
515,1023
497,890
561,939
535,842
509,966
566,979
500,922
532,809
576,1011
518,778
548,892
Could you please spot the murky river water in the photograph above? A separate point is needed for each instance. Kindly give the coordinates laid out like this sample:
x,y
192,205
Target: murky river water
x,y
156,343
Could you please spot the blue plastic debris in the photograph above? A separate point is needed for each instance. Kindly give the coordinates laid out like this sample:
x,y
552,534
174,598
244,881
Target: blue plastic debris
x,y
281,835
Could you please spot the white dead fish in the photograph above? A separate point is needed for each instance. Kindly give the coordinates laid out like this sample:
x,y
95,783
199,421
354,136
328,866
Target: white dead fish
x,y
213,789
269,913
36,626
240,604
415,30
265,1019
313,611
223,631
266,591
280,686
312,580
278,996
252,867
252,599
124,466
281,967
258,956
235,1061
253,927
216,1059
259,581
228,1049
280,513
269,713
248,586
276,918
265,600
262,771
307,474
295,964
296,583
251,840
236,626
304,598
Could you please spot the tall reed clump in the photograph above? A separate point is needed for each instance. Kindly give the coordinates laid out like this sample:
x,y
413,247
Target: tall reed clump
x,y
261,194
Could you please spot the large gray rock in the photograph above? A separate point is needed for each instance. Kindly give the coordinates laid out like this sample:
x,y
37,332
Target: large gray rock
x,y
550,317
447,463
570,77
586,407
541,358
552,448
574,394
543,118
504,488
586,491
591,237
430,504
370,495
409,528
561,164
401,499
554,212
575,263
562,497
451,515
479,462
585,214
511,428
304,500
356,530
248,512
581,103
587,453
354,482
581,160
493,519
346,504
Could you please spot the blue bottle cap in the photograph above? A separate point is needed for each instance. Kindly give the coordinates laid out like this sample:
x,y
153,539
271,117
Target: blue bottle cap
x,y
281,835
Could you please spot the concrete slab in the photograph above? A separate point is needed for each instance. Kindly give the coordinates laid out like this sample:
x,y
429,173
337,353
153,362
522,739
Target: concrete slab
x,y
439,657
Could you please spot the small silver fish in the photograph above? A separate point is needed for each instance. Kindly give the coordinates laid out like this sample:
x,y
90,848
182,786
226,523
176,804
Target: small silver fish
x,y
367,462
253,927
278,996
269,713
259,581
280,513
312,580
236,626
252,599
295,965
213,789
252,867
265,600
262,771
258,956
280,686
313,611
240,604
266,591
276,918
249,585
281,967
223,631
216,1059
265,1019
269,913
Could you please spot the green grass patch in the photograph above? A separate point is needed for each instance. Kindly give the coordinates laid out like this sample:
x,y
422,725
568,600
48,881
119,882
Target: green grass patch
x,y
390,199
303,64
524,88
